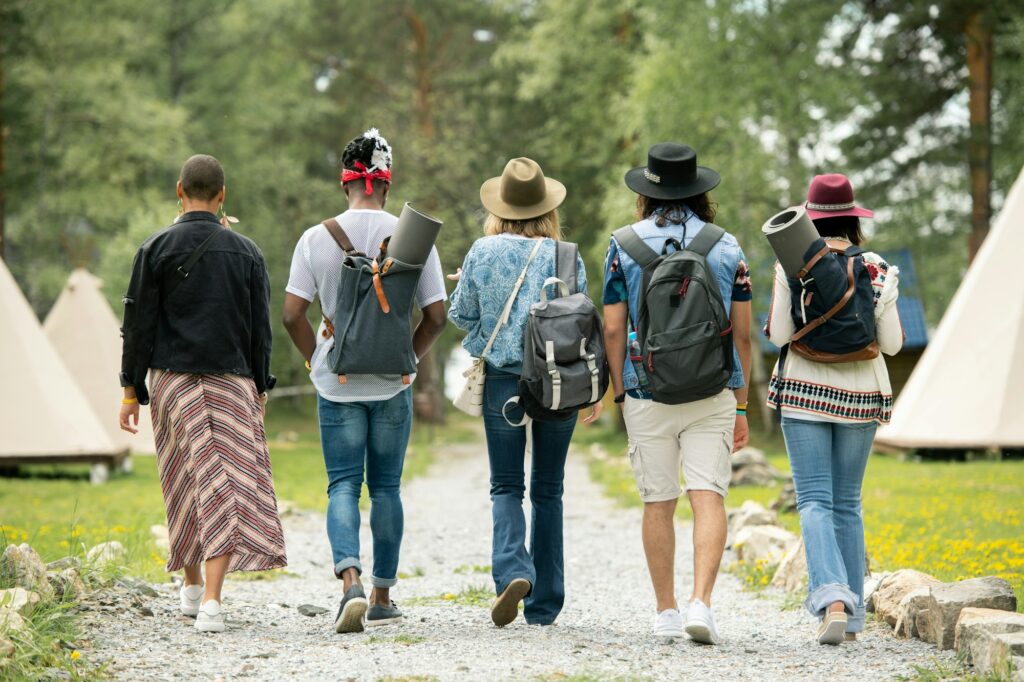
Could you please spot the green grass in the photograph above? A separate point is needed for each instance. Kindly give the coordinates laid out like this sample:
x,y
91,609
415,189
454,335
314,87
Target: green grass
x,y
404,640
466,569
958,669
954,520
471,595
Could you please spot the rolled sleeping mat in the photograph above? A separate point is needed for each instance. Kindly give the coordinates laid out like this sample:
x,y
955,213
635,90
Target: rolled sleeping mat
x,y
790,233
413,237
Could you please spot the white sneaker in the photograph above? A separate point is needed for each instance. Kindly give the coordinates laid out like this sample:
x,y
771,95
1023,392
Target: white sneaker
x,y
191,597
668,623
210,618
700,624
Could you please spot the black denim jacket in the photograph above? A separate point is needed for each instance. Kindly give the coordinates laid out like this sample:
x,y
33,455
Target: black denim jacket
x,y
215,321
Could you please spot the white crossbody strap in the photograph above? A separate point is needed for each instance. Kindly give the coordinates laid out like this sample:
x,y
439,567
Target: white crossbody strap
x,y
511,300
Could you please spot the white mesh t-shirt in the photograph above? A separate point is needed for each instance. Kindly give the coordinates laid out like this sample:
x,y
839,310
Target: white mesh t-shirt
x,y
316,269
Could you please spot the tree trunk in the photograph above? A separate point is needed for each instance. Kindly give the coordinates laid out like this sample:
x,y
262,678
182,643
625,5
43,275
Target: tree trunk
x,y
979,151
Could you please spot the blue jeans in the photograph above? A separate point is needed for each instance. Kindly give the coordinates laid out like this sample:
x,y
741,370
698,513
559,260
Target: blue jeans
x,y
366,436
543,564
828,461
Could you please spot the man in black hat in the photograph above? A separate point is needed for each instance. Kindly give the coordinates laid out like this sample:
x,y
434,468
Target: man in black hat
x,y
685,431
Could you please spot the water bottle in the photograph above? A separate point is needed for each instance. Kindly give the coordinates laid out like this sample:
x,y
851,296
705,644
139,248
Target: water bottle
x,y
636,356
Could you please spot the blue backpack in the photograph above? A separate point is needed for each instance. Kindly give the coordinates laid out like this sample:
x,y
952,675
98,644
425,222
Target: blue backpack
x,y
833,306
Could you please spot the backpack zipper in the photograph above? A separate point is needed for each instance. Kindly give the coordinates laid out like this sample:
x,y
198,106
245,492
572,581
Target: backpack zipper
x,y
684,287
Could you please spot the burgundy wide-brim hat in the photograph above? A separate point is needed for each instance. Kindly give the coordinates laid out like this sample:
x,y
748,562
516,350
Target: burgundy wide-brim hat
x,y
831,196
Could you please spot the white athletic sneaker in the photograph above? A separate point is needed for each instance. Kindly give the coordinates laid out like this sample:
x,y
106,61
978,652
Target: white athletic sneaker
x,y
668,623
700,624
210,618
191,597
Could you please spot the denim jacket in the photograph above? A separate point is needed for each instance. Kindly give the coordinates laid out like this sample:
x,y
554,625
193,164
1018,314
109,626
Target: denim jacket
x,y
621,271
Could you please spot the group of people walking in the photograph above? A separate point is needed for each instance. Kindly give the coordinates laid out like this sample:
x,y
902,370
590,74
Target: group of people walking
x,y
197,322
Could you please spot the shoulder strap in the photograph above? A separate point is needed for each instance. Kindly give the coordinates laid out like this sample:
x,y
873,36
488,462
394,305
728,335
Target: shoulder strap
x,y
340,237
637,248
706,239
185,268
511,300
565,264
834,310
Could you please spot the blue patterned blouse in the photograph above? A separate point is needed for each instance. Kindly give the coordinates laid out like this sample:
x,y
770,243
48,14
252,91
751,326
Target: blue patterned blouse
x,y
489,273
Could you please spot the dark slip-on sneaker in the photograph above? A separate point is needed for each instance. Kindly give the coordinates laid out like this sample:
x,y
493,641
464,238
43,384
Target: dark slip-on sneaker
x,y
351,611
506,606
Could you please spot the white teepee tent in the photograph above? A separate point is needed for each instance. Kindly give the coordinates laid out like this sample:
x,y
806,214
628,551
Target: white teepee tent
x,y
966,390
85,332
43,413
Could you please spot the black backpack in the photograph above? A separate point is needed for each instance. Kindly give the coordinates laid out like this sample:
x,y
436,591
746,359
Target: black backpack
x,y
684,329
833,306
564,364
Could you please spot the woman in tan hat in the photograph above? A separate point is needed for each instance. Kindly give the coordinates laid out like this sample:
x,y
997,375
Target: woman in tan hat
x,y
521,229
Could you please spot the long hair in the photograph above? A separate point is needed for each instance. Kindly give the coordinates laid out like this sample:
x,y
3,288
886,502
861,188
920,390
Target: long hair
x,y
845,227
673,212
546,225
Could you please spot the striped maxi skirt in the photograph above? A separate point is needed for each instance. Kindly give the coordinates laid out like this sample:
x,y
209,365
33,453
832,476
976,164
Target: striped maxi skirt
x,y
215,471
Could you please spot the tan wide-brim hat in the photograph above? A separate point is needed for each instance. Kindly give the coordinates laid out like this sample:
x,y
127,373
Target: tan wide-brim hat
x,y
521,192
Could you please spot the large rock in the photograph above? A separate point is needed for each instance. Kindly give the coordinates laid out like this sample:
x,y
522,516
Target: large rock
x,y
67,584
912,615
758,474
947,601
747,456
998,651
792,573
750,513
976,630
21,564
770,543
871,584
786,502
19,599
112,552
886,599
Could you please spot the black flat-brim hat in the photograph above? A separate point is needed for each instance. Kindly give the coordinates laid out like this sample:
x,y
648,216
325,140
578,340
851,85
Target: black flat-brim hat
x,y
672,173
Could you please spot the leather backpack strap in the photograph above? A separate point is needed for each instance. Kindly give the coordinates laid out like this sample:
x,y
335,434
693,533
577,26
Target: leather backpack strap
x,y
814,261
834,310
340,237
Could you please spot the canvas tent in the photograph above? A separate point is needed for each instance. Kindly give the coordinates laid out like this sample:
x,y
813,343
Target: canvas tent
x,y
86,334
965,392
44,415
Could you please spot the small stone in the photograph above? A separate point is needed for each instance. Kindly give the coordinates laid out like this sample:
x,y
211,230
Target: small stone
x,y
54,675
67,584
947,601
6,648
750,513
22,564
146,611
757,475
112,552
11,620
747,456
19,599
138,587
61,564
786,502
311,611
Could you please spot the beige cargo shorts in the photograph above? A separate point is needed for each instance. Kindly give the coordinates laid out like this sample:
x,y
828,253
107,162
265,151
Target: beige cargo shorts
x,y
693,437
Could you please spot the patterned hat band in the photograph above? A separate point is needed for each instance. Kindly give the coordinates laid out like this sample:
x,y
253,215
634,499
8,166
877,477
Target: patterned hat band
x,y
656,179
830,207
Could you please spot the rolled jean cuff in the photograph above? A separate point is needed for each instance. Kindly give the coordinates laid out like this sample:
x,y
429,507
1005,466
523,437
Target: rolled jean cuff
x,y
855,623
347,563
383,582
823,596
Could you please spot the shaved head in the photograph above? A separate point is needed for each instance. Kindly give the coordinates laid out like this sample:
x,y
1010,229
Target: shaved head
x,y
202,177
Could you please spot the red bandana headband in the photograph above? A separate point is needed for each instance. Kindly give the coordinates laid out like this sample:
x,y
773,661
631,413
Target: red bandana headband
x,y
350,175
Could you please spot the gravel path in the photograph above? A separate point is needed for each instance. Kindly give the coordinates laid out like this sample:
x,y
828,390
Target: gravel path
x,y
603,631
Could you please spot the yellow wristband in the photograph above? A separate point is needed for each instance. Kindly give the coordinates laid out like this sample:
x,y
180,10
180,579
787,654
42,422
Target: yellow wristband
x,y
741,406
129,401
308,368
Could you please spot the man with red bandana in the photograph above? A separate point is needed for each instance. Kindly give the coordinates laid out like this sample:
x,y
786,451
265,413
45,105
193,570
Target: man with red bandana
x,y
365,422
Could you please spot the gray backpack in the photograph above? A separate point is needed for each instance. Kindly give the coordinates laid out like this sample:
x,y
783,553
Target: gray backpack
x,y
372,326
564,364
684,330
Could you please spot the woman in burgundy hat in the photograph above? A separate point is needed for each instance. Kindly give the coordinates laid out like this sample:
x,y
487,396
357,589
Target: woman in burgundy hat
x,y
829,415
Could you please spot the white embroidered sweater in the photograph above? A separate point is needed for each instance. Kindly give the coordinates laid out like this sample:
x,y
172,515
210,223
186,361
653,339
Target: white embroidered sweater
x,y
852,392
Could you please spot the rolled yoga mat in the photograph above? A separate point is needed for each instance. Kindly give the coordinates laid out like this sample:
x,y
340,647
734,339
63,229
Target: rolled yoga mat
x,y
413,237
790,233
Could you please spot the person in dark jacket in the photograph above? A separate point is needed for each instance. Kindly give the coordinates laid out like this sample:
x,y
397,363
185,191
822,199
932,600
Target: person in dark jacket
x,y
196,319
